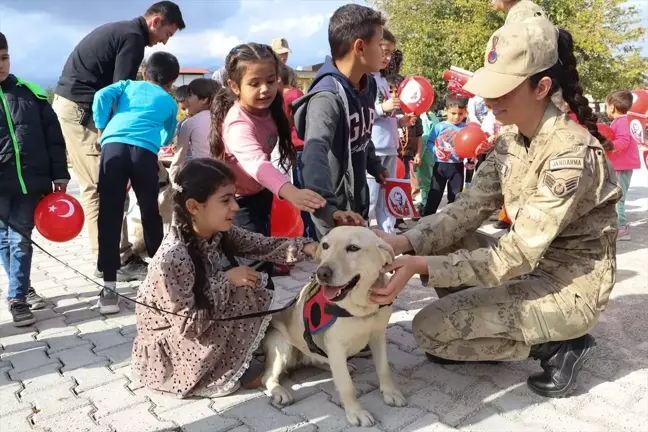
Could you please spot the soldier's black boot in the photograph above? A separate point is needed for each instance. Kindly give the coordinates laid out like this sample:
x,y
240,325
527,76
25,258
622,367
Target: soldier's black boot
x,y
561,362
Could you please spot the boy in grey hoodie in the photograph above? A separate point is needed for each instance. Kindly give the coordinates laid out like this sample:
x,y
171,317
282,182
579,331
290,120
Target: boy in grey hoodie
x,y
336,116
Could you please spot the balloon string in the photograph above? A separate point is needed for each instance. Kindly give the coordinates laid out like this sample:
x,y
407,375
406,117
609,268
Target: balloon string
x,y
163,311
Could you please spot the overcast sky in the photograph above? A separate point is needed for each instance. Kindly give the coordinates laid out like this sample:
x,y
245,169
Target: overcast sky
x,y
42,33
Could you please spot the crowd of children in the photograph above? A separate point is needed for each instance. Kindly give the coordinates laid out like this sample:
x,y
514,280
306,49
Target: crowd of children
x,y
340,142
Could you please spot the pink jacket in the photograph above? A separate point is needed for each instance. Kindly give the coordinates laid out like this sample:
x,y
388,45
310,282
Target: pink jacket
x,y
626,151
249,141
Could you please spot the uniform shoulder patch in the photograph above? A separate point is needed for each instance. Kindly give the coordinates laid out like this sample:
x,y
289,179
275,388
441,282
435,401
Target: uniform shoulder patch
x,y
567,163
561,187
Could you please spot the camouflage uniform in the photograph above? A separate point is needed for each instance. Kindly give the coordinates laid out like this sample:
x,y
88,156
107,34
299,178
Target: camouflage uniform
x,y
545,280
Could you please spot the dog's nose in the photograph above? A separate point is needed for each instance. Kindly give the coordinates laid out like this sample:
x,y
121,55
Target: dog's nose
x,y
324,273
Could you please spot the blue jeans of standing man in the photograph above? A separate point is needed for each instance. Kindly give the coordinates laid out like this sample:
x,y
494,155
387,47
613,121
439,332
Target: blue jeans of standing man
x,y
298,181
15,250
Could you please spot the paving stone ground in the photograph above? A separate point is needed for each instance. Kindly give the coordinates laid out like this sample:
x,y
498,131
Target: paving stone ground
x,y
70,372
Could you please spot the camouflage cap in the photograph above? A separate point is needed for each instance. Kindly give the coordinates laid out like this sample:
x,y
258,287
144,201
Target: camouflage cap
x,y
514,53
280,46
523,10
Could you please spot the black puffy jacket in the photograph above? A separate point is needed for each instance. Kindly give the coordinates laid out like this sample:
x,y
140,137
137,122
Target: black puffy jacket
x,y
32,148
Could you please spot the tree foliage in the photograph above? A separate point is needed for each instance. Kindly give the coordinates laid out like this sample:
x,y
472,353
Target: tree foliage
x,y
435,34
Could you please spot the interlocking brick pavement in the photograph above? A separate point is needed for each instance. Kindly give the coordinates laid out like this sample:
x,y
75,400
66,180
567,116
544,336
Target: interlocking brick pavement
x,y
70,372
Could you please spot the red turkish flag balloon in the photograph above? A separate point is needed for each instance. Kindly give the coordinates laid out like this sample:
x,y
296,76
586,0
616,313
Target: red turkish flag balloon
x,y
59,217
468,140
606,131
640,102
416,95
285,219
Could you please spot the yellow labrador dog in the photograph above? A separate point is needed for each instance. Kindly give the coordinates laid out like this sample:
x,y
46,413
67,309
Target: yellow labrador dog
x,y
334,319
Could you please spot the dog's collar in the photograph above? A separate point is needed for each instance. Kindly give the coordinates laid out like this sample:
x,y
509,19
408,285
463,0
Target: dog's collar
x,y
319,314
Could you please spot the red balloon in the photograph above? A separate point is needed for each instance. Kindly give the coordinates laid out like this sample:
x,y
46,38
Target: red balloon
x,y
468,140
284,219
639,101
416,95
59,217
400,169
606,131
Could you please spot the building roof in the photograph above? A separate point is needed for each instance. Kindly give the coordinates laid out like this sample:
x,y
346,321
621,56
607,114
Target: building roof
x,y
193,71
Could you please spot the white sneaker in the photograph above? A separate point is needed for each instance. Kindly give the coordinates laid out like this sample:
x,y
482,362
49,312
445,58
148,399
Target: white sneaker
x,y
624,233
108,302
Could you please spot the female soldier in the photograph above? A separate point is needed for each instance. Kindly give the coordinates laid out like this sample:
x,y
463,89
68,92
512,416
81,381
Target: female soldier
x,y
539,289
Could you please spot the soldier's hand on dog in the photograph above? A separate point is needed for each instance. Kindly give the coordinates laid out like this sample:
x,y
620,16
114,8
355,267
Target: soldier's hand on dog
x,y
404,268
399,243
243,276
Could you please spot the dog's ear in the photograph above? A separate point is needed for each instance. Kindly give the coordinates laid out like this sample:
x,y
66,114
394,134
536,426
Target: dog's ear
x,y
386,250
318,254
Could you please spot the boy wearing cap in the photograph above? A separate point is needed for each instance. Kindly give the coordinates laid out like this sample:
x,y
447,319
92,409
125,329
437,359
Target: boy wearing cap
x,y
539,289
281,48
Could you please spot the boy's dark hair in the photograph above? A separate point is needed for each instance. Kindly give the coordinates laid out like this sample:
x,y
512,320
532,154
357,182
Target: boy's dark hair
x,y
235,65
181,93
203,88
286,74
350,23
456,102
169,11
199,179
162,68
621,100
565,77
3,42
389,36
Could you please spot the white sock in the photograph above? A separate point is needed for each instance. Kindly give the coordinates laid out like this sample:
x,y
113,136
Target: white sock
x,y
112,286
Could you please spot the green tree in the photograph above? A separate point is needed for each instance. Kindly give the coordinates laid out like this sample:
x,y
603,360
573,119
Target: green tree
x,y
435,34
50,94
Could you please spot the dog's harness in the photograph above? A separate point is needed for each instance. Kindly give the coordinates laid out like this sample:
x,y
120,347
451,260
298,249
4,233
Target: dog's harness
x,y
319,314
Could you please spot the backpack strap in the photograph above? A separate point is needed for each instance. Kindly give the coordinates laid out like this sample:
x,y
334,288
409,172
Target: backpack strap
x,y
351,179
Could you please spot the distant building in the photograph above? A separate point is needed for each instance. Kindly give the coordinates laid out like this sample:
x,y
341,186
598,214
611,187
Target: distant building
x,y
306,75
189,74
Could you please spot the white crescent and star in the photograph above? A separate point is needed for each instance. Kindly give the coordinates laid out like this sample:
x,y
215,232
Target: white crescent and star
x,y
70,211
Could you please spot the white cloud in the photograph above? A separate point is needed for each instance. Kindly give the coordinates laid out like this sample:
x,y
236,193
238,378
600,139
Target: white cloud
x,y
302,26
202,45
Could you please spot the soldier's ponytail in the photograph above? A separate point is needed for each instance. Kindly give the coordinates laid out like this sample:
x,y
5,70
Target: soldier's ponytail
x,y
565,77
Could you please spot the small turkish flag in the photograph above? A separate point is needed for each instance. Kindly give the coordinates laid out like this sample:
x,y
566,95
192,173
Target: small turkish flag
x,y
398,195
645,157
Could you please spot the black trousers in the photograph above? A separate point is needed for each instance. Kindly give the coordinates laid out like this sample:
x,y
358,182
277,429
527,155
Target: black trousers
x,y
470,173
120,163
450,174
254,215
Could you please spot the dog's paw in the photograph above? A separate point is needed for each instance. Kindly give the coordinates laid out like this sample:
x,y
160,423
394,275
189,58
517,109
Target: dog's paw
x,y
393,397
281,396
360,417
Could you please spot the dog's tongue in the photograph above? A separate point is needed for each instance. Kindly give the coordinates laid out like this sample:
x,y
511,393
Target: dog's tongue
x,y
329,291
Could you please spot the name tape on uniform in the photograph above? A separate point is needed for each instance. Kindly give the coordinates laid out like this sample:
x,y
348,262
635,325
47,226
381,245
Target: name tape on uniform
x,y
566,163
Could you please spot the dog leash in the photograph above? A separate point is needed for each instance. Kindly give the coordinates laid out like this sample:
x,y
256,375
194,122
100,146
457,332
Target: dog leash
x,y
235,318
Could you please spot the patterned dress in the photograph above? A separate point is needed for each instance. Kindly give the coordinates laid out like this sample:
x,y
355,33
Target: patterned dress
x,y
191,354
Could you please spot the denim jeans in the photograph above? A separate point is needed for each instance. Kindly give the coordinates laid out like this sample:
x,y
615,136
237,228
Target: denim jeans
x,y
15,250
298,181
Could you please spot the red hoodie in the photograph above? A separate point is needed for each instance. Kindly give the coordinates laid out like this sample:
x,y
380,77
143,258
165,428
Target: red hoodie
x,y
290,96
